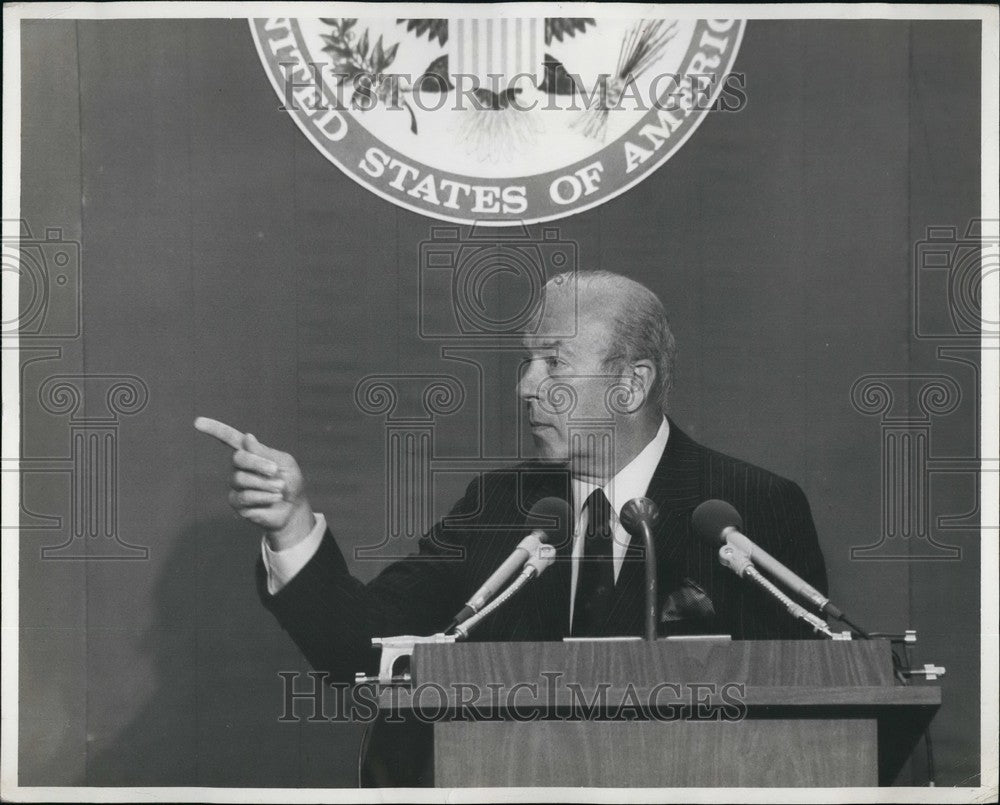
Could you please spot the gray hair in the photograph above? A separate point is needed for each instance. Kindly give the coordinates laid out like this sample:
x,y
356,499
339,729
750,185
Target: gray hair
x,y
640,329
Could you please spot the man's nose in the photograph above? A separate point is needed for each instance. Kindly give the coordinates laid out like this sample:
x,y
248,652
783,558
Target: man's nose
x,y
530,382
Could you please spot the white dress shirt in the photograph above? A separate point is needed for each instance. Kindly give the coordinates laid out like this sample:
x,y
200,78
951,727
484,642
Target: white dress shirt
x,y
283,566
632,481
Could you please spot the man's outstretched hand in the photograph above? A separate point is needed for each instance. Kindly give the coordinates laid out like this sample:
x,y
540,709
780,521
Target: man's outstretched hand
x,y
267,487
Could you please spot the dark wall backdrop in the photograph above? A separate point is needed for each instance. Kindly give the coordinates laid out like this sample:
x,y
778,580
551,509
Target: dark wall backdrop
x,y
240,275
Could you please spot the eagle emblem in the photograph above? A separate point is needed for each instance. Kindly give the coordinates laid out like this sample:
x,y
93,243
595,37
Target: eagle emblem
x,y
498,118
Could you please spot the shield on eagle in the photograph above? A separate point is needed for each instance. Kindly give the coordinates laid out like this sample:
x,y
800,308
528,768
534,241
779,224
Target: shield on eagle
x,y
495,52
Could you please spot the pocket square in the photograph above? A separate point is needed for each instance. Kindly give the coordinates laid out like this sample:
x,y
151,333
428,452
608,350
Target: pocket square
x,y
687,609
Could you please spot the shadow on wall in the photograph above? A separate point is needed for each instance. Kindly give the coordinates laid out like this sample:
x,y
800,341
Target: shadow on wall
x,y
195,699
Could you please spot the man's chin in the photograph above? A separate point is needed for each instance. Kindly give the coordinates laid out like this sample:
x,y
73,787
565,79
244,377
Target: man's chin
x,y
549,450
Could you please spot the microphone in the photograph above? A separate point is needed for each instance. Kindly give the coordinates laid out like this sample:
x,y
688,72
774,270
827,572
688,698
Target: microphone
x,y
718,523
527,551
638,517
536,564
739,562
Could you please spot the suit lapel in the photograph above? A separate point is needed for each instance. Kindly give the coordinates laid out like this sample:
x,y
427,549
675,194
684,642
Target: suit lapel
x,y
548,597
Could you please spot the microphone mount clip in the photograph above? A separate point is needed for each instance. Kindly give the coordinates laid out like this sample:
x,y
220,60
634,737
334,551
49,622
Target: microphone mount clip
x,y
393,671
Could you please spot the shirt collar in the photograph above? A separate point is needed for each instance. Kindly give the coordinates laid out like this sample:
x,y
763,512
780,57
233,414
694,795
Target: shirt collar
x,y
632,480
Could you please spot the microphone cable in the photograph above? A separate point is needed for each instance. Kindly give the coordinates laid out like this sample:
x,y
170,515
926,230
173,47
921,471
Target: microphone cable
x,y
899,667
363,752
842,617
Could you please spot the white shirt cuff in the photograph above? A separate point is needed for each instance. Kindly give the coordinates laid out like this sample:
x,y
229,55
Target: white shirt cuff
x,y
283,566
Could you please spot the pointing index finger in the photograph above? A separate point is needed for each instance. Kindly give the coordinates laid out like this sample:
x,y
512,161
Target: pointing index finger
x,y
221,431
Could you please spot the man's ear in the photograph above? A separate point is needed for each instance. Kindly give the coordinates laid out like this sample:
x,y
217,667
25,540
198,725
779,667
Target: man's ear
x,y
640,379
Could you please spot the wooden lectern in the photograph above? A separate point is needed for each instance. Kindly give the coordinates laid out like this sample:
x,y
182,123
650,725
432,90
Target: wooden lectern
x,y
668,713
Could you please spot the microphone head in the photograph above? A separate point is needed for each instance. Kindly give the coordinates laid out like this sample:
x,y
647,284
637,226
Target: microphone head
x,y
552,516
638,512
713,517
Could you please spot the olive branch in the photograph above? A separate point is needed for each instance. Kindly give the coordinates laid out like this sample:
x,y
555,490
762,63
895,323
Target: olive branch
x,y
356,56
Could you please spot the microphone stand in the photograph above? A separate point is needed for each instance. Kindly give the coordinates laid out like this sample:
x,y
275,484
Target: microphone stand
x,y
638,517
651,592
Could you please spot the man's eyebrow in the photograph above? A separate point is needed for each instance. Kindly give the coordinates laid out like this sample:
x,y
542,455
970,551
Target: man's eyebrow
x,y
544,345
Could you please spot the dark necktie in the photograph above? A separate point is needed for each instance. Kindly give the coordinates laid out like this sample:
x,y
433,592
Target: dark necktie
x,y
595,581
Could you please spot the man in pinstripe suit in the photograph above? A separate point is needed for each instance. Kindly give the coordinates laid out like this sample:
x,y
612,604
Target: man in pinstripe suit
x,y
595,386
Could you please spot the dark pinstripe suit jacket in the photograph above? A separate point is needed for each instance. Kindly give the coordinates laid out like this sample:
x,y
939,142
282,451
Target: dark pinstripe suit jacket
x,y
332,616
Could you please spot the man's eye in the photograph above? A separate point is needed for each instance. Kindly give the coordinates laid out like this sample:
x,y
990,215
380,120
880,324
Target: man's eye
x,y
552,362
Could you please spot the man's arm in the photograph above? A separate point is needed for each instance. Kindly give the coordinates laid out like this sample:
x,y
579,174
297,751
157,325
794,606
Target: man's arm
x,y
333,616
328,613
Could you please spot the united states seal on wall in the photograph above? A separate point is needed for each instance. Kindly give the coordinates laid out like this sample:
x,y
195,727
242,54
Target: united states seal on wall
x,y
500,120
